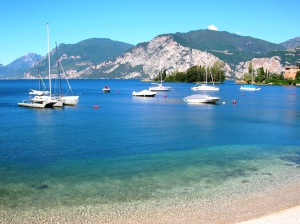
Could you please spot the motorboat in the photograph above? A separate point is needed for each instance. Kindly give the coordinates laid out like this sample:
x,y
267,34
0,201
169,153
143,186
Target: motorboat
x,y
144,93
106,89
249,88
201,98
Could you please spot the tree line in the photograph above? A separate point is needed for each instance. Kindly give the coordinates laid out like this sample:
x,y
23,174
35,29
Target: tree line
x,y
263,76
215,73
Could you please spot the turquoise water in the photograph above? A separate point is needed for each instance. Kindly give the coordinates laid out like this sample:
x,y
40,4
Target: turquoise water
x,y
138,150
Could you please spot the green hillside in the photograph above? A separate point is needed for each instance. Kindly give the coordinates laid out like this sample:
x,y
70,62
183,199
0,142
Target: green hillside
x,y
90,51
229,47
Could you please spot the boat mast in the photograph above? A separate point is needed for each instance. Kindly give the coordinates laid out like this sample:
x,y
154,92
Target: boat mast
x,y
205,67
58,72
49,58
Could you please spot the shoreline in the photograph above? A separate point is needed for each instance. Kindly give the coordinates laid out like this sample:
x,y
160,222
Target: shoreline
x,y
280,204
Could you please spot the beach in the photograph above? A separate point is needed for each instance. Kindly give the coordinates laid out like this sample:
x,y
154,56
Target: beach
x,y
280,205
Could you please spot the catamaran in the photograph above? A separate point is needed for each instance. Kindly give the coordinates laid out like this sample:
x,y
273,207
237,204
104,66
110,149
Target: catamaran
x,y
41,100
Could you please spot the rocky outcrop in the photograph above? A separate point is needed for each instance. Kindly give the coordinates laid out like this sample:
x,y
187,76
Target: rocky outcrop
x,y
272,65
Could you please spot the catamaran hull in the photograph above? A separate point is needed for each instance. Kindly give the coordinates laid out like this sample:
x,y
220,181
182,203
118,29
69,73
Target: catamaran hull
x,y
32,104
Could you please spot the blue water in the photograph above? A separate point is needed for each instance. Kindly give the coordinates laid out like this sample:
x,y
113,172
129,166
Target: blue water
x,y
132,149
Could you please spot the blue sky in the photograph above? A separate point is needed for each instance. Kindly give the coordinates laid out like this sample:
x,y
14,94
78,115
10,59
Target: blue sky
x,y
23,22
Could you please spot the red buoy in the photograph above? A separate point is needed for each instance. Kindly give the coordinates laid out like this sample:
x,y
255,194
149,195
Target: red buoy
x,y
234,101
96,106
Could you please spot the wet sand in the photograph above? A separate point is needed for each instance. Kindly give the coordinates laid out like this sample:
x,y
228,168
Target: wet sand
x,y
268,204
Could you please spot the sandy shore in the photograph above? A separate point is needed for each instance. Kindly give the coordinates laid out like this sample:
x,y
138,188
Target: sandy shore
x,y
280,205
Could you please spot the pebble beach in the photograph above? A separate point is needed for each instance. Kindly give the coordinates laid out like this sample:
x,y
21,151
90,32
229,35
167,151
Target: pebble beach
x,y
280,203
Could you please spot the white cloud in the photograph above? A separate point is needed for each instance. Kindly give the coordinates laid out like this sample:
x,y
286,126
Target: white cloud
x,y
212,27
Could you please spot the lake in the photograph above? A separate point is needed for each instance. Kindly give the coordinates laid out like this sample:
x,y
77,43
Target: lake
x,y
145,150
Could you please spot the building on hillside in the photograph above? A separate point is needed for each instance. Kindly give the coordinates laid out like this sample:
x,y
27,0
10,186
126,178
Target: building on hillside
x,y
290,72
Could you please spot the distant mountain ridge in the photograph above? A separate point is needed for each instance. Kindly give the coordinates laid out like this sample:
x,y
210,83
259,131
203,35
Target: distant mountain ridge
x,y
292,43
229,47
19,65
104,58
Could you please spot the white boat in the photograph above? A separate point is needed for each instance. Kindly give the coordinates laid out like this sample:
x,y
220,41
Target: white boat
x,y
249,88
144,93
70,100
159,86
201,98
106,89
205,87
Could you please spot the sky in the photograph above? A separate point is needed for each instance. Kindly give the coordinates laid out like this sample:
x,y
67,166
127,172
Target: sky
x,y
24,30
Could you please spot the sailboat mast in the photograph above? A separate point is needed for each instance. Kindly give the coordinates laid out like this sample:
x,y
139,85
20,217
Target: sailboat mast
x,y
205,67
48,37
58,72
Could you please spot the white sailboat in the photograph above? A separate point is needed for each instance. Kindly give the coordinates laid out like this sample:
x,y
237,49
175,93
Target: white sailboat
x,y
159,86
67,99
205,87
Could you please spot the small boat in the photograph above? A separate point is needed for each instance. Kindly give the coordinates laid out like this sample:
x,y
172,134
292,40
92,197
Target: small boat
x,y
201,98
159,86
144,93
106,89
249,88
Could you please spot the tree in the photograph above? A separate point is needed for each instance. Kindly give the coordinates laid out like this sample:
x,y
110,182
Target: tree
x,y
250,68
298,76
248,78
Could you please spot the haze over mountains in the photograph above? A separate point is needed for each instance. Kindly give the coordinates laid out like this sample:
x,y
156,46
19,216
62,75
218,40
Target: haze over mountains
x,y
105,58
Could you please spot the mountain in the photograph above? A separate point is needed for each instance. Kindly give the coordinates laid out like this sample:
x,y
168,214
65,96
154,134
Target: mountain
x,y
24,62
292,43
228,47
104,58
146,59
179,51
17,68
74,57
